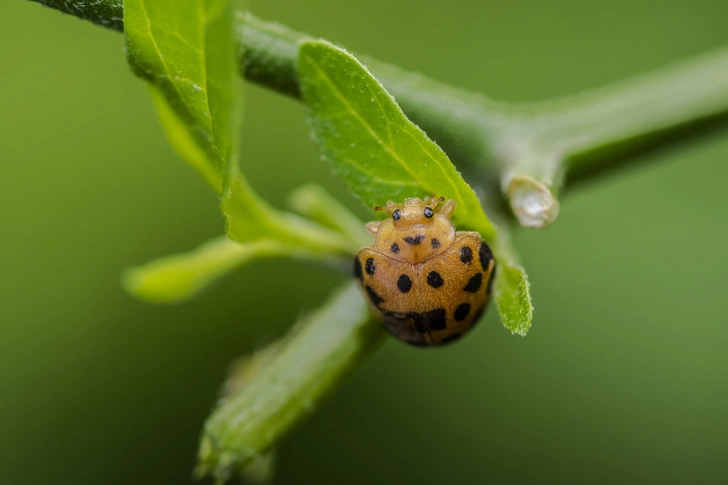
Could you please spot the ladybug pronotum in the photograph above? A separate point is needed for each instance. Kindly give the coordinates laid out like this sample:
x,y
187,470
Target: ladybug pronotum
x,y
428,284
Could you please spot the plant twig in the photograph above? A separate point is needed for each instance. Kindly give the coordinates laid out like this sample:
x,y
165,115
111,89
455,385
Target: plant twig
x,y
583,135
108,13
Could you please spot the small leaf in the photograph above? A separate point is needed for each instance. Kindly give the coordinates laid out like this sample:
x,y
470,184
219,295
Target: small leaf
x,y
513,298
312,362
181,276
370,143
512,291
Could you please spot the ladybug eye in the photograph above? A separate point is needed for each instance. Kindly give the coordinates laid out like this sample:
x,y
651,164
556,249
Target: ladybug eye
x,y
428,212
396,215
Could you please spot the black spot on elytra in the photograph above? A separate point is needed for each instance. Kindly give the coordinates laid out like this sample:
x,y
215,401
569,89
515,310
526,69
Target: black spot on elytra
x,y
369,265
462,311
376,299
434,279
414,241
485,255
490,281
357,268
466,254
435,243
394,248
427,321
404,283
474,283
450,338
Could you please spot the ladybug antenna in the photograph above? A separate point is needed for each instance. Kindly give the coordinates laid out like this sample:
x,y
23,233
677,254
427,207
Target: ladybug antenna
x,y
433,201
391,207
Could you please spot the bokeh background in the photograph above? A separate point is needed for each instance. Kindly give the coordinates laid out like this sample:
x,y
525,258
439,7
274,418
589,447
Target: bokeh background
x,y
623,377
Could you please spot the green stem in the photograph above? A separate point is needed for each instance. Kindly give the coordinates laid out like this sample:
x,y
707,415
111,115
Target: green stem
x,y
581,136
108,13
528,150
634,114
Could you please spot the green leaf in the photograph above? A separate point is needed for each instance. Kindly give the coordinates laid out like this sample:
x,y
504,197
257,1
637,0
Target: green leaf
x,y
179,277
244,370
512,291
370,143
513,299
312,362
186,49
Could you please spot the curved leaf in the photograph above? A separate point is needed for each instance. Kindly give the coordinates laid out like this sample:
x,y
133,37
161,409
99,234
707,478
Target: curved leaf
x,y
512,290
513,298
178,277
370,143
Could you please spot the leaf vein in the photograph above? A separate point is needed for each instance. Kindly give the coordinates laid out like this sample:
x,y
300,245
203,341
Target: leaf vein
x,y
169,76
176,34
366,125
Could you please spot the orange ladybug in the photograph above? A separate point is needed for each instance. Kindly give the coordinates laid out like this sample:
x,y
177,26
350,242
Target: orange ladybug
x,y
428,284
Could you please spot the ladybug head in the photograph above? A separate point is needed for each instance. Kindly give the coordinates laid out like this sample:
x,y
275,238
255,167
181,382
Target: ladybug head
x,y
415,230
415,211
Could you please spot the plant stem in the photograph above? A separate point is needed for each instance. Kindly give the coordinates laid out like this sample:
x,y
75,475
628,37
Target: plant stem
x,y
108,13
529,150
584,134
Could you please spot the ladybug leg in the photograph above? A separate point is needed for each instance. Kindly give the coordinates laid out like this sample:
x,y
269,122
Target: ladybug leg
x,y
373,227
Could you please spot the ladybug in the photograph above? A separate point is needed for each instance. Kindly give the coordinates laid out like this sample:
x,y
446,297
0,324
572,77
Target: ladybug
x,y
428,284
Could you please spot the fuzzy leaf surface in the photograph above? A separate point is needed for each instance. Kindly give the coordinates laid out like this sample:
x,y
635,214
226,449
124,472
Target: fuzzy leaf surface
x,y
370,143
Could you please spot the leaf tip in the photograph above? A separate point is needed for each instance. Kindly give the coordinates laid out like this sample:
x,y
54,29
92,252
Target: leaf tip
x,y
132,281
513,299
150,287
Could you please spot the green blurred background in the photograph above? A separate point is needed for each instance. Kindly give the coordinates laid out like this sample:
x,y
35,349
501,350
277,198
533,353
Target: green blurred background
x,y
622,378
